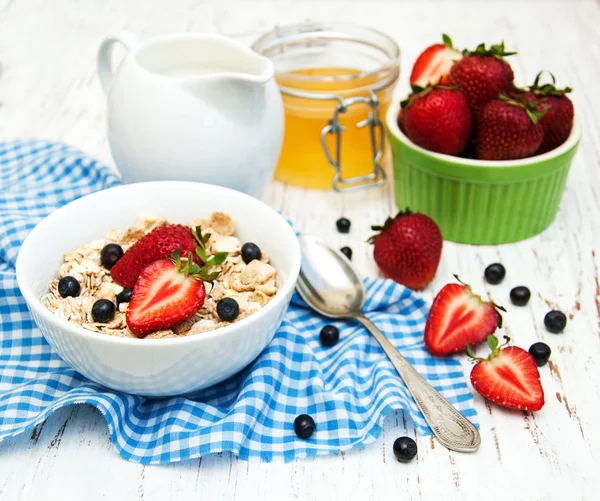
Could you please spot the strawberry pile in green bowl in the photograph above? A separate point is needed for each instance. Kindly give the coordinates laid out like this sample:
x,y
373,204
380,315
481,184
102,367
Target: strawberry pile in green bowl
x,y
487,160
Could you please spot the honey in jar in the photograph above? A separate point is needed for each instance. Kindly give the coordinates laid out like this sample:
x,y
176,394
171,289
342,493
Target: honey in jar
x,y
336,82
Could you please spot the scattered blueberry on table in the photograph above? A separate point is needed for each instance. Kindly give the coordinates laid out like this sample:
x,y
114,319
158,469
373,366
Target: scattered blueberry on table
x,y
304,426
68,286
540,353
405,449
103,311
250,252
520,295
329,335
125,295
346,251
495,273
228,309
110,254
343,225
555,321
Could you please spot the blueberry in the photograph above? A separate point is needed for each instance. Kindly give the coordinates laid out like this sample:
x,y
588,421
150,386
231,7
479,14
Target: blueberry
x,y
103,311
304,426
346,251
555,321
68,286
228,309
250,252
329,335
495,273
540,352
110,254
125,295
343,225
520,295
405,449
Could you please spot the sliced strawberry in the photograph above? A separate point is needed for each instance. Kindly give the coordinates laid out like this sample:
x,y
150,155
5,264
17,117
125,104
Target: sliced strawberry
x,y
508,377
158,244
163,297
434,63
459,317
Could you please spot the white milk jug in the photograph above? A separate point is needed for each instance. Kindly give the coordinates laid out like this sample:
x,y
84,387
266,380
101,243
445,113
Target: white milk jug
x,y
192,107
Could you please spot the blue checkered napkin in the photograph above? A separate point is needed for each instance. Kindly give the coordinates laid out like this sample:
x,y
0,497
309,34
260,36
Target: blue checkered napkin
x,y
348,388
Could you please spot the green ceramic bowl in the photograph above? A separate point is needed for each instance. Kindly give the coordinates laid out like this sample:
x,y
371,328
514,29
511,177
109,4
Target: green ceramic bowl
x,y
479,201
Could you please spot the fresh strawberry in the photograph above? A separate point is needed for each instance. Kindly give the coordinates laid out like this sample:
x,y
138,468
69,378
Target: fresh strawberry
x,y
482,74
168,292
558,121
509,129
459,317
434,63
163,297
438,119
508,377
158,244
408,248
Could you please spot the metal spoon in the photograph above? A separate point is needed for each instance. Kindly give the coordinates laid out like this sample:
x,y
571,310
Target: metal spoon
x,y
330,285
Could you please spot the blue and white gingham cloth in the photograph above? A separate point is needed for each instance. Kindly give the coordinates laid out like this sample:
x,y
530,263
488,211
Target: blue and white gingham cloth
x,y
348,389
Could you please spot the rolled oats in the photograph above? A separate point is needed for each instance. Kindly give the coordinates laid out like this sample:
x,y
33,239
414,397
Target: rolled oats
x,y
252,285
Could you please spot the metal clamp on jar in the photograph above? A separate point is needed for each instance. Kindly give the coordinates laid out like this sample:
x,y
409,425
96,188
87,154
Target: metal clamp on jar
x,y
336,81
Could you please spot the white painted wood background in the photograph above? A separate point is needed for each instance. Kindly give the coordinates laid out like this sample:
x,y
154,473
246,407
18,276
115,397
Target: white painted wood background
x,y
49,89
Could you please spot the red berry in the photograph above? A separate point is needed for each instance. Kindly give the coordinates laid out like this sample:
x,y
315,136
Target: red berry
x,y
163,297
157,244
508,377
438,119
458,317
508,130
408,249
434,63
481,76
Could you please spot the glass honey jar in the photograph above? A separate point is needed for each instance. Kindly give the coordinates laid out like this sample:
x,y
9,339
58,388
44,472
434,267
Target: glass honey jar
x,y
337,82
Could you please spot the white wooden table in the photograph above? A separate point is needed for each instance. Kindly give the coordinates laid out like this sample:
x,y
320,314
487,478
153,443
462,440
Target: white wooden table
x,y
49,88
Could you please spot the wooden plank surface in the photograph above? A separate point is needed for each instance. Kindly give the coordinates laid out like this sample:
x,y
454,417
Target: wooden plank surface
x,y
49,89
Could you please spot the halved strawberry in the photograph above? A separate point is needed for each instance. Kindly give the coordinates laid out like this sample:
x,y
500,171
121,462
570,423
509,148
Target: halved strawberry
x,y
459,317
508,376
434,63
167,292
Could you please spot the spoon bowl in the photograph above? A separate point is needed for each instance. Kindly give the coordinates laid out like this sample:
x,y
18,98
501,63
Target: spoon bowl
x,y
327,280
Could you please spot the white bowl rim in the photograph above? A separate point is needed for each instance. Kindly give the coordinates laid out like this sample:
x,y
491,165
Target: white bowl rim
x,y
285,288
572,140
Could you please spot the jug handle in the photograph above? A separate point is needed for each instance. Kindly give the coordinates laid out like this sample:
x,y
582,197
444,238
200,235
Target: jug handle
x,y
105,69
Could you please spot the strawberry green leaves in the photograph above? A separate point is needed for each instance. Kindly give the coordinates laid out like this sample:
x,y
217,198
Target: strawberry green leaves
x,y
192,269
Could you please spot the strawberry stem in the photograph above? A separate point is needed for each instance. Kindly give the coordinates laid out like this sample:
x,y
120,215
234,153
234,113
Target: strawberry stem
x,y
200,272
447,41
386,226
547,89
530,107
497,50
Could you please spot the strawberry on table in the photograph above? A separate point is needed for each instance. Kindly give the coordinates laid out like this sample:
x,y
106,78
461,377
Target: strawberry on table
x,y
438,119
508,376
158,244
434,63
408,248
459,317
509,129
482,74
557,122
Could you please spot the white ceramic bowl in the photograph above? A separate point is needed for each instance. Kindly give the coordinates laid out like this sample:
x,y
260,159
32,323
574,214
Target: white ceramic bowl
x,y
162,367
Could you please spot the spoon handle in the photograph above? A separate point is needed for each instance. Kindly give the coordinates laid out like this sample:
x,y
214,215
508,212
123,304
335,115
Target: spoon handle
x,y
451,428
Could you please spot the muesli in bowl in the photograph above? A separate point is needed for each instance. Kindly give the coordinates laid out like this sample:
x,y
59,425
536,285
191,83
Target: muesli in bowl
x,y
157,280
